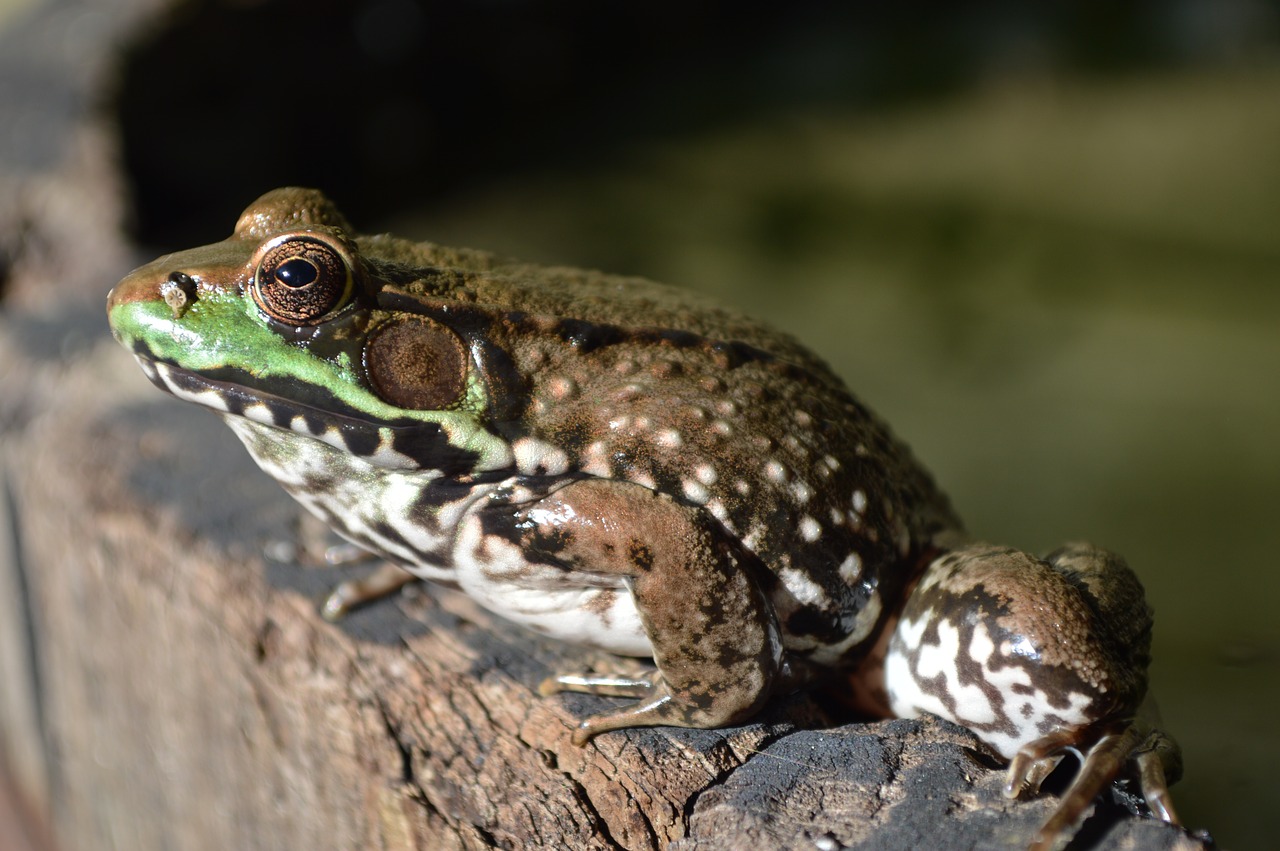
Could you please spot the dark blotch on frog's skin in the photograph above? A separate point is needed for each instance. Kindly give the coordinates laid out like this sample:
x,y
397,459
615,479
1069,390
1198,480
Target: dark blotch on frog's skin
x,y
640,555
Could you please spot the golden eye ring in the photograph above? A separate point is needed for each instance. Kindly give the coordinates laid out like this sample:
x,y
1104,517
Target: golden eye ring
x,y
301,279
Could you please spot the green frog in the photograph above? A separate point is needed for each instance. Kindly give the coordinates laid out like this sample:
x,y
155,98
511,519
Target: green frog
x,y
613,462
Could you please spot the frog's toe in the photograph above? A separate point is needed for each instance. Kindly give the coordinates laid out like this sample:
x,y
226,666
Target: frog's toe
x,y
599,684
379,584
659,709
656,704
648,713
1151,753
1159,762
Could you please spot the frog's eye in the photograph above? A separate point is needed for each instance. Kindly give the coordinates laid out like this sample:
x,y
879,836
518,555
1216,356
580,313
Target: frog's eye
x,y
301,280
416,363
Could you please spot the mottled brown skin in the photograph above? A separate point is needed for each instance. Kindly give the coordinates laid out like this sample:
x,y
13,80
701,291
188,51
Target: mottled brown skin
x,y
721,650
616,462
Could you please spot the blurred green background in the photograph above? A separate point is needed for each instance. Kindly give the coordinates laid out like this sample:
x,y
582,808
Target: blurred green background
x,y
1064,293
1042,240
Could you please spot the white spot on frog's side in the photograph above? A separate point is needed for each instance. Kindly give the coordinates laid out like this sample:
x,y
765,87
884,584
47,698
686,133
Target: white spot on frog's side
x,y
718,511
810,530
722,428
802,492
802,587
595,460
695,491
598,467
851,568
741,486
802,418
859,502
581,608
669,438
521,494
537,457
705,473
628,392
644,480
562,388
831,463
775,472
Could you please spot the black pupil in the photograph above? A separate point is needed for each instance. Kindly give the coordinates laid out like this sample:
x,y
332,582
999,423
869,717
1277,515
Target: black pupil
x,y
297,273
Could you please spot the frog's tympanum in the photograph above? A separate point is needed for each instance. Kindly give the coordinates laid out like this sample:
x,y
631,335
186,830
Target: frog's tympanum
x,y
612,462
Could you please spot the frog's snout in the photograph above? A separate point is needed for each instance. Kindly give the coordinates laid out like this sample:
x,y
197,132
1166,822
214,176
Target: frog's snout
x,y
142,284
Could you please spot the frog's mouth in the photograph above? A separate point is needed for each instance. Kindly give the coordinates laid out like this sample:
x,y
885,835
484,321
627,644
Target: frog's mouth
x,y
397,444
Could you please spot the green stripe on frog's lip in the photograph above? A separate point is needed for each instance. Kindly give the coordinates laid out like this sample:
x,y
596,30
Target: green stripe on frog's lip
x,y
212,339
409,444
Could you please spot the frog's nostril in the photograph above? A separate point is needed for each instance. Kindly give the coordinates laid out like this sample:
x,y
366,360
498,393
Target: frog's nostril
x,y
179,291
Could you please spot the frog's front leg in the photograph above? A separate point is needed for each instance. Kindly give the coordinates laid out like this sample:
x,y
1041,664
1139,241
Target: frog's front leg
x,y
1038,658
713,635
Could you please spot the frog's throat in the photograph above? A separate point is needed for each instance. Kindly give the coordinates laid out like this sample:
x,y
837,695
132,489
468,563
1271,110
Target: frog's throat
x,y
449,443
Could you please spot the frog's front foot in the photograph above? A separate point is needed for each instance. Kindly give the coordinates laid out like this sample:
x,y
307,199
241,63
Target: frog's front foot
x,y
649,693
713,636
1039,658
378,584
310,547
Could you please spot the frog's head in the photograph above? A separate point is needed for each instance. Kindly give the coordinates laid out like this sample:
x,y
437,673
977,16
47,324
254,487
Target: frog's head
x,y
284,324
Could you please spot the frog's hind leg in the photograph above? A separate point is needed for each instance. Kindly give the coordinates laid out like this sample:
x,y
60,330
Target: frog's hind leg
x,y
1039,658
1153,753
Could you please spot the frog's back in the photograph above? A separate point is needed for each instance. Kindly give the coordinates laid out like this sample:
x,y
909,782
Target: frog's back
x,y
568,293
622,378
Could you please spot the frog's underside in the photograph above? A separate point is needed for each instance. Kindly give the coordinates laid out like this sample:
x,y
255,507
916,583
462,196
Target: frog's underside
x,y
615,463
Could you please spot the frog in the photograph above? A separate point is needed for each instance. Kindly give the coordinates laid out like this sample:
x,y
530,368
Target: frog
x,y
628,466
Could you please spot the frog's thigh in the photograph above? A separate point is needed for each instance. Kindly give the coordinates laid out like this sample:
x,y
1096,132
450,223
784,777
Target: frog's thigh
x,y
1016,648
712,633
